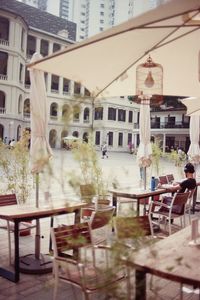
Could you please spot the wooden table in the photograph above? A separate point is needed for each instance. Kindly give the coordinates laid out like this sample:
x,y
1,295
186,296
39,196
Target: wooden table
x,y
171,258
134,194
19,213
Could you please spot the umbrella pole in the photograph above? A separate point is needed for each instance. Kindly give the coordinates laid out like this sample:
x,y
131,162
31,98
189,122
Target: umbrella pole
x,y
37,235
145,177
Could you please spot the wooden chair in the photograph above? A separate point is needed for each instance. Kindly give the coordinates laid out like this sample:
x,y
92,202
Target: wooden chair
x,y
101,224
7,200
170,211
189,204
163,179
91,273
170,178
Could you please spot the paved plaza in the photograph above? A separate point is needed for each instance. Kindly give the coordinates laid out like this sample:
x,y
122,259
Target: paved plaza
x,y
121,167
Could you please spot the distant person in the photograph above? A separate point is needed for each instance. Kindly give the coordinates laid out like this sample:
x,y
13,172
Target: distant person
x,y
104,150
12,143
5,140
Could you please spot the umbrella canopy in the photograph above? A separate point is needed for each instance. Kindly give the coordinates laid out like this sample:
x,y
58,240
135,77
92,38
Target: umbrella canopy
x,y
194,150
40,149
114,54
145,149
193,105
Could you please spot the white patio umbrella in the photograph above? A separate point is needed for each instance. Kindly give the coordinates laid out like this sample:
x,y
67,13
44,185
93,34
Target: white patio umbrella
x,y
40,150
194,150
145,150
171,28
193,110
193,105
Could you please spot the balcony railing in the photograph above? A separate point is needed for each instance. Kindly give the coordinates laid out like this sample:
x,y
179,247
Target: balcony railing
x,y
53,117
163,125
3,77
27,115
4,42
27,86
2,110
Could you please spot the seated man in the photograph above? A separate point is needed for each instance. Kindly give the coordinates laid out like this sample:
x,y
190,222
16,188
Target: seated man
x,y
188,184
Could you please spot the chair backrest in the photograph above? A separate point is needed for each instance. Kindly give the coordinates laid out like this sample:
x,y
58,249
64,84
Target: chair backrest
x,y
163,179
178,203
170,178
132,227
101,217
70,237
9,199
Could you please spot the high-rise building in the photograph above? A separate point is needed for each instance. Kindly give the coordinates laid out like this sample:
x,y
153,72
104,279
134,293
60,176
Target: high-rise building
x,y
94,16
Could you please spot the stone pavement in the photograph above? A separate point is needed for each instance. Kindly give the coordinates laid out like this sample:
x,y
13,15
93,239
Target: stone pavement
x,y
119,166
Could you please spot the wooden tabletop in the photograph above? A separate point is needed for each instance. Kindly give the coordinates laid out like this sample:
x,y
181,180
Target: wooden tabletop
x,y
14,212
171,258
136,193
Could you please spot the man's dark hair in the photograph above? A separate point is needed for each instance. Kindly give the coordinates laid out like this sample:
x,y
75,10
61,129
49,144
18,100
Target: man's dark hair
x,y
189,168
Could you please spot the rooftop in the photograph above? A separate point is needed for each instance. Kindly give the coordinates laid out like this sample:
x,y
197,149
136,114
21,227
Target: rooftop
x,y
39,19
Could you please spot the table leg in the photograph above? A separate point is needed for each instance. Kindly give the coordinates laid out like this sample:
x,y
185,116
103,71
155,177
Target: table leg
x,y
16,237
140,285
50,240
114,203
77,216
138,207
194,201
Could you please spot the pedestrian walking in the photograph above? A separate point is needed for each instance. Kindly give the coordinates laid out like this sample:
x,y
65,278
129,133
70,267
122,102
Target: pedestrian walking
x,y
104,150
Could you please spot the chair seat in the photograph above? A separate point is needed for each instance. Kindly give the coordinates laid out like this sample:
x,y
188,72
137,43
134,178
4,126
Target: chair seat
x,y
166,214
93,276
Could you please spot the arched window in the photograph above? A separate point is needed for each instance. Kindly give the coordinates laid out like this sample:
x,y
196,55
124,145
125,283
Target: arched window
x,y
66,111
2,102
76,113
4,29
3,64
85,137
75,133
1,131
54,110
31,45
20,104
26,109
86,115
52,138
64,133
77,88
19,132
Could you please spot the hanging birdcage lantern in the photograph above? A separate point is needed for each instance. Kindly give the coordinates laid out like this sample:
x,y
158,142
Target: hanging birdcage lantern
x,y
149,82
